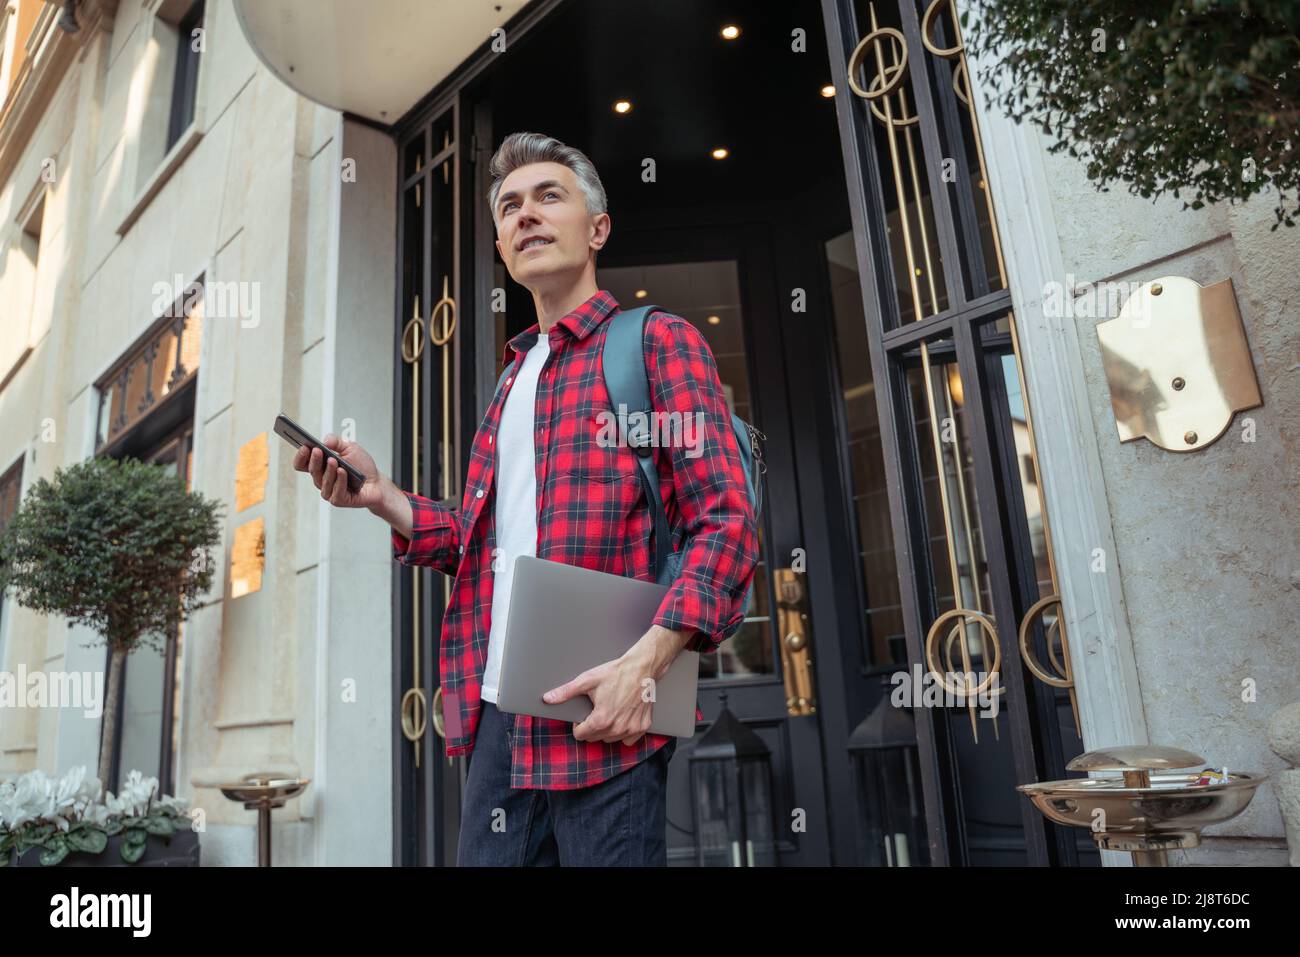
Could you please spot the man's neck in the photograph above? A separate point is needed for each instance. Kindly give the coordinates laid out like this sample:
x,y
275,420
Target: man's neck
x,y
552,305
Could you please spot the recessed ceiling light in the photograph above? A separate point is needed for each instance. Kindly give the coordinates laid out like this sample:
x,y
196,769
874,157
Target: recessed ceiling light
x,y
641,294
622,106
720,153
714,320
828,91
730,31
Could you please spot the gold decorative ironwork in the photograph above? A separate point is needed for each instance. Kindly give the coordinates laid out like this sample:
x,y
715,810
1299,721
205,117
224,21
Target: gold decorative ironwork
x,y
888,83
412,708
1064,678
968,691
440,333
414,714
961,84
927,25
1177,364
413,337
439,719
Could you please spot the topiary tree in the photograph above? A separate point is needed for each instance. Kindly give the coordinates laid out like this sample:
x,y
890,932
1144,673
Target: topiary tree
x,y
119,546
1195,96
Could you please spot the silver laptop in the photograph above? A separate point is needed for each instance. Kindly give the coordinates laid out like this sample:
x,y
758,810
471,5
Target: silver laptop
x,y
563,620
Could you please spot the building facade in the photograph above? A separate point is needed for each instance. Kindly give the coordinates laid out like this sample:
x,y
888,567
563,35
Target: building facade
x,y
206,221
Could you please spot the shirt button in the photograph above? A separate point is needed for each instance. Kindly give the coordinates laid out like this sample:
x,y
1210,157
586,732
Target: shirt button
x,y
489,440
462,549
478,494
509,379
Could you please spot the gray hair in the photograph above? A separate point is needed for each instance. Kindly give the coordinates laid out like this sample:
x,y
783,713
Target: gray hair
x,y
521,149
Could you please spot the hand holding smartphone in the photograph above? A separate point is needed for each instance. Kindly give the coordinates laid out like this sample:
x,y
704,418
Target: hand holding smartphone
x,y
297,436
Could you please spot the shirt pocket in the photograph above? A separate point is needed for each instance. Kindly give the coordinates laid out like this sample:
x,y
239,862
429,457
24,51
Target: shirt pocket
x,y
591,454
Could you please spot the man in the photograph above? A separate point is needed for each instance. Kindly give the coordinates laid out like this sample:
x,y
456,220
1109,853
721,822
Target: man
x,y
543,482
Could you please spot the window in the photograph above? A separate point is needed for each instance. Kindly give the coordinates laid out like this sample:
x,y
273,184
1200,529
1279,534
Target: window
x,y
17,25
148,719
18,289
185,82
146,411
168,118
161,367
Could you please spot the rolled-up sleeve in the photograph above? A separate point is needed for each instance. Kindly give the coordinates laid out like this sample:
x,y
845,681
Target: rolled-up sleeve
x,y
708,485
435,536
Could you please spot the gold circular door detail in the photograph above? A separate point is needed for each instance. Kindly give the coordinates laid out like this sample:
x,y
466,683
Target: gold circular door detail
x,y
413,340
927,22
891,77
414,714
955,632
439,722
440,332
1038,608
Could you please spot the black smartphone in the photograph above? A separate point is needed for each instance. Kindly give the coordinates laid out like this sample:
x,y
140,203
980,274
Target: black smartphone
x,y
297,436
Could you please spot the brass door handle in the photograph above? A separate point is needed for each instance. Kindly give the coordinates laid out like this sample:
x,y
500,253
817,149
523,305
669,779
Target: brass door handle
x,y
968,691
796,643
414,714
439,722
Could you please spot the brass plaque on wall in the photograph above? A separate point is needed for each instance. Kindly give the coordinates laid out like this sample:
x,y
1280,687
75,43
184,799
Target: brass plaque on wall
x,y
1178,364
250,472
247,556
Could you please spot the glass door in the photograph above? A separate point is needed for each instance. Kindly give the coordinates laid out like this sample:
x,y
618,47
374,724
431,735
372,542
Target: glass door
x,y
977,595
435,401
764,674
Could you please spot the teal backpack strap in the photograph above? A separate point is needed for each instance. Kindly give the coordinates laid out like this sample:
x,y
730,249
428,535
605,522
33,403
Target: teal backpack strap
x,y
623,359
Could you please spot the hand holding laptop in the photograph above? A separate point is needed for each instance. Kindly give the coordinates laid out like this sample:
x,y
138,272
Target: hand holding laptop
x,y
617,688
586,638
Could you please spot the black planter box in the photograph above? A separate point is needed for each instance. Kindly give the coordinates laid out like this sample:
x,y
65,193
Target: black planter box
x,y
179,850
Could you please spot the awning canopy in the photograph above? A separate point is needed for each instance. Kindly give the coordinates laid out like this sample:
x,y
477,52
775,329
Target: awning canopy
x,y
375,59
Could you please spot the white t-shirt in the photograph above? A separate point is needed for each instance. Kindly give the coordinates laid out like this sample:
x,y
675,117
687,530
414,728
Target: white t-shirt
x,y
516,500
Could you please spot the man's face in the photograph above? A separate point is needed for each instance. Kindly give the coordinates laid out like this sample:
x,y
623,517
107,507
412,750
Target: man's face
x,y
543,227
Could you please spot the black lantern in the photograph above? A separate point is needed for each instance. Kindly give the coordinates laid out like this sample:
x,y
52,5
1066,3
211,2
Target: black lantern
x,y
731,796
887,771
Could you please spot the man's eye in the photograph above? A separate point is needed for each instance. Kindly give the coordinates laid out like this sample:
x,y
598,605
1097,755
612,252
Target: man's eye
x,y
552,192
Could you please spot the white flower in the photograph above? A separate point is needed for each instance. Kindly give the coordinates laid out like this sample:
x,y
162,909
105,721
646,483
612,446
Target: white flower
x,y
35,797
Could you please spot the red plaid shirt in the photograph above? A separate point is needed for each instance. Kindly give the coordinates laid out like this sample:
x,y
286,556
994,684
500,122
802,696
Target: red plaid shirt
x,y
592,512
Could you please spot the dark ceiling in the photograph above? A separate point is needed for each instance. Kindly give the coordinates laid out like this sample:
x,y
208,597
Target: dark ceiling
x,y
691,91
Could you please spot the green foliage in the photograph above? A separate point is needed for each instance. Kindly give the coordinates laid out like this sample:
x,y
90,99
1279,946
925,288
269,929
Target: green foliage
x,y
119,546
92,838
1199,97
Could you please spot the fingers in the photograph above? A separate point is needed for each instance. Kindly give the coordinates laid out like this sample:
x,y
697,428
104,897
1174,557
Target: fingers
x,y
301,458
341,491
329,475
598,727
316,465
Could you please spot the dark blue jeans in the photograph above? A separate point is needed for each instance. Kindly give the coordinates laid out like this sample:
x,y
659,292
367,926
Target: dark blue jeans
x,y
618,822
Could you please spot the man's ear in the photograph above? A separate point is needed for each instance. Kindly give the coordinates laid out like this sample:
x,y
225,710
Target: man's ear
x,y
497,243
600,228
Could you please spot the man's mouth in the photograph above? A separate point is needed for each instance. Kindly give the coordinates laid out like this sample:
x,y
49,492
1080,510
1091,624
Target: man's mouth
x,y
528,244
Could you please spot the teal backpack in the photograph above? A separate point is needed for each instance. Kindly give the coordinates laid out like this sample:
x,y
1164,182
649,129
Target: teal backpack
x,y
628,387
